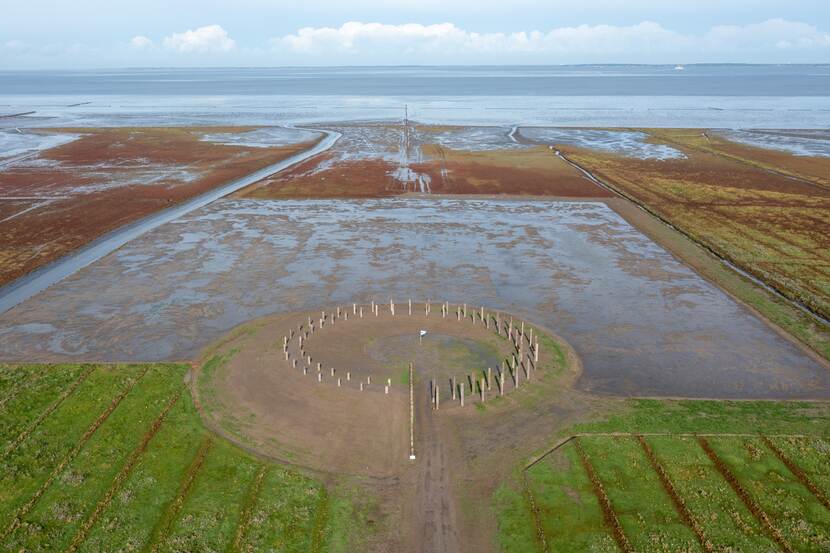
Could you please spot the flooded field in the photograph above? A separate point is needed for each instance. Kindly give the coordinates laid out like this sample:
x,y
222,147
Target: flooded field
x,y
643,323
806,142
62,188
626,143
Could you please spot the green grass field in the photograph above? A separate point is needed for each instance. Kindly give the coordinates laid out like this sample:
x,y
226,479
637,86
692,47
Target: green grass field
x,y
719,491
115,458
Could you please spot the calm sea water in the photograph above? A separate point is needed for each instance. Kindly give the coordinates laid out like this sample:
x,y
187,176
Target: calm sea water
x,y
730,96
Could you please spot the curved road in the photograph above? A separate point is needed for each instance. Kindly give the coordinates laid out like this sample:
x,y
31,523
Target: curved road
x,y
27,286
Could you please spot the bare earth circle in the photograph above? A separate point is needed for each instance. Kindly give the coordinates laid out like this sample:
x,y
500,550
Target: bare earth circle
x,y
334,395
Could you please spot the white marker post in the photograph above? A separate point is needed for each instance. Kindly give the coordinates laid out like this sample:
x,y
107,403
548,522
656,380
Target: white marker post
x,y
411,414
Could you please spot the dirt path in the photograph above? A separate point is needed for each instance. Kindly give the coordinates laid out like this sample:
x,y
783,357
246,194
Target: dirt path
x,y
436,528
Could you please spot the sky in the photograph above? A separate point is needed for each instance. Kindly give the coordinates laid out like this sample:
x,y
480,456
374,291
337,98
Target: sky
x,y
82,34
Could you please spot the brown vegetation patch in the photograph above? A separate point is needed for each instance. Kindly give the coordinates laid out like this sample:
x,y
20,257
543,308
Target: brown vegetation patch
x,y
809,168
108,178
364,178
772,226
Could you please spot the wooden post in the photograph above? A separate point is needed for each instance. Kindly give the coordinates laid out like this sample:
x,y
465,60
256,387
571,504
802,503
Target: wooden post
x,y
294,363
319,377
482,312
368,379
361,311
465,310
286,355
461,392
510,329
411,413
373,306
305,370
319,366
531,336
348,375
501,384
339,383
452,383
522,333
481,388
386,389
354,309
332,371
410,306
489,377
392,306
361,386
536,351
388,381
437,397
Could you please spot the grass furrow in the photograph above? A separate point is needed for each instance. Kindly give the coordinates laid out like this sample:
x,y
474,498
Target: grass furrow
x,y
247,508
70,455
792,510
118,481
644,510
74,493
685,514
750,503
798,472
15,443
608,514
165,523
570,514
210,514
286,513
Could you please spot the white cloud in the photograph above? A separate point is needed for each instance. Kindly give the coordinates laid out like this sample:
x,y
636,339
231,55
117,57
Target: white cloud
x,y
609,42
211,38
141,42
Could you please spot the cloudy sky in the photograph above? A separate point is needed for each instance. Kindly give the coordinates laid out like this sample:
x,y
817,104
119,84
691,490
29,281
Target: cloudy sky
x,y
120,33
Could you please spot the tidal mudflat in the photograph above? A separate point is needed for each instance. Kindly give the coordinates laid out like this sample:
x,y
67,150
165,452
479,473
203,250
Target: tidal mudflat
x,y
643,323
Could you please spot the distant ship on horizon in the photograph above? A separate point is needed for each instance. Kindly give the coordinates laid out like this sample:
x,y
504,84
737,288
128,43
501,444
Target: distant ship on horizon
x,y
679,68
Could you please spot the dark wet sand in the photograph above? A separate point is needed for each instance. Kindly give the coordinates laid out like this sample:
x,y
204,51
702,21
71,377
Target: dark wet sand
x,y
643,323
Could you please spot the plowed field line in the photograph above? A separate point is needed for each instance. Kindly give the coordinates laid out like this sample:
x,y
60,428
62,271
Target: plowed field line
x,y
248,509
27,507
49,410
165,523
680,505
608,513
753,507
119,479
796,470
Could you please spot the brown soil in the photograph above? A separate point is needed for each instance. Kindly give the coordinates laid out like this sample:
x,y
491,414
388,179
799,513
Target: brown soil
x,y
101,157
437,503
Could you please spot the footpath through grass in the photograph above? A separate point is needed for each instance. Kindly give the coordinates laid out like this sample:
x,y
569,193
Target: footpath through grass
x,y
115,458
670,476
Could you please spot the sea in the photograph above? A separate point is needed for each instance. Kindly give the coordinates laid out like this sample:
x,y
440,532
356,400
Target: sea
x,y
727,96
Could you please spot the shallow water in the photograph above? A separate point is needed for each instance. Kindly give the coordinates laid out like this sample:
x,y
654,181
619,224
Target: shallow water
x,y
800,143
627,143
642,322
266,137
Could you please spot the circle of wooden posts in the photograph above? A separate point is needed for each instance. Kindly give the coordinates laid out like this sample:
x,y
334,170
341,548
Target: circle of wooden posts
x,y
521,363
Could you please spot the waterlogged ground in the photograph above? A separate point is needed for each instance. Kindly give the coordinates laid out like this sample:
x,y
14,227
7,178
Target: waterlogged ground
x,y
627,143
642,322
808,143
